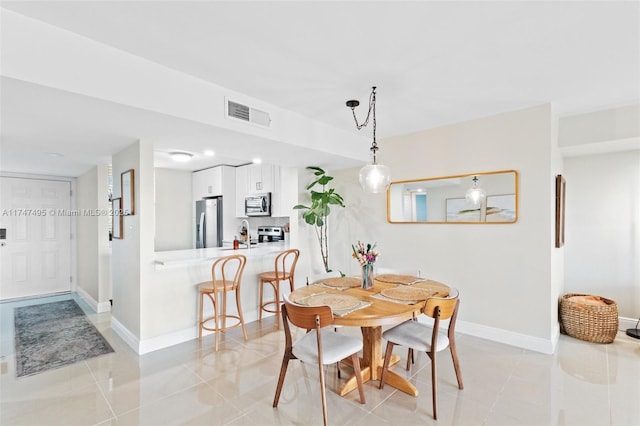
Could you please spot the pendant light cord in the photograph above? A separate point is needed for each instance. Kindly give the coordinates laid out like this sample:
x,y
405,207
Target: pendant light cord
x,y
372,108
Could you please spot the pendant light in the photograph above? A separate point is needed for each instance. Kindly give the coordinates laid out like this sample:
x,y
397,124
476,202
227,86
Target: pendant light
x,y
475,195
374,177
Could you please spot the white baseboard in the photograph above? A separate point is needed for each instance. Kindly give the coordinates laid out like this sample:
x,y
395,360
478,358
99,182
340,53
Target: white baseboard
x,y
124,333
98,307
537,344
166,340
104,307
87,298
624,323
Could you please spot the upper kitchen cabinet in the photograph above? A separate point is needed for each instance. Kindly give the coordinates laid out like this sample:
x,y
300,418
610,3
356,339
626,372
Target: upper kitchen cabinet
x,y
253,179
262,178
212,182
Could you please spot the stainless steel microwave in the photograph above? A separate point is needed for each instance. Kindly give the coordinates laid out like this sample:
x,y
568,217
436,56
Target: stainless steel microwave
x,y
258,204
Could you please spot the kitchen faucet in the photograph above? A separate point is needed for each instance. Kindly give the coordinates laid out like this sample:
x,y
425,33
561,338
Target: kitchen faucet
x,y
245,221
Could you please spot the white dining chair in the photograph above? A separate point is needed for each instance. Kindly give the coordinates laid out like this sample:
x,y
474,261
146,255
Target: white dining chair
x,y
422,337
318,346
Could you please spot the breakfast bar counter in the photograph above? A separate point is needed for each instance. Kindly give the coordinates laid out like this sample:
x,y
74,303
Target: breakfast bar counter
x,y
169,295
194,256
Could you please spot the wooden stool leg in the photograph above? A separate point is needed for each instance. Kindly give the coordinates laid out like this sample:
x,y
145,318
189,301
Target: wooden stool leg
x,y
223,312
200,316
261,307
277,309
216,319
244,331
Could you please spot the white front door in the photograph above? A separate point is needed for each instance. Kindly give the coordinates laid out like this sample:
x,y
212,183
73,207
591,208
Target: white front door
x,y
35,255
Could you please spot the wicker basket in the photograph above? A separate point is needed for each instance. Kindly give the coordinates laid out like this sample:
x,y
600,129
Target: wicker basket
x,y
593,323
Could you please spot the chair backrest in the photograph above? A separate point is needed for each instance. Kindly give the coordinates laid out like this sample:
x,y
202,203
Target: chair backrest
x,y
317,277
286,262
228,269
446,306
307,317
443,308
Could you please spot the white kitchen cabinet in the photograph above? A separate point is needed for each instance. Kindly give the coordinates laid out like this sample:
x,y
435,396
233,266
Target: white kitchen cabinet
x,y
253,179
260,178
207,183
280,181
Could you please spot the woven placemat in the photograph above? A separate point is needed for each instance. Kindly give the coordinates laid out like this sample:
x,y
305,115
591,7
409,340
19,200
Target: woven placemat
x,y
340,282
337,302
399,279
406,293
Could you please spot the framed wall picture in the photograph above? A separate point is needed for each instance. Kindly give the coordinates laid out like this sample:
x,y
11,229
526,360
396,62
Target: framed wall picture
x,y
116,218
561,187
461,210
501,208
127,192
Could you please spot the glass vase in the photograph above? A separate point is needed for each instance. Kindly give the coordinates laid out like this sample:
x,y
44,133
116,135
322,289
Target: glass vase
x,y
367,277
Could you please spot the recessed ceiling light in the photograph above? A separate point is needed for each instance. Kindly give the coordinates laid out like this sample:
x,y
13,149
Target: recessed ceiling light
x,y
55,154
181,157
256,160
209,153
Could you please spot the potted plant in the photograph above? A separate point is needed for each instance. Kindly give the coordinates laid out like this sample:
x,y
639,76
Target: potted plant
x,y
317,213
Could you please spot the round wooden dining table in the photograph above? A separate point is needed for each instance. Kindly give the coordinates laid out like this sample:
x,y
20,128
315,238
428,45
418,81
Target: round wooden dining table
x,y
371,319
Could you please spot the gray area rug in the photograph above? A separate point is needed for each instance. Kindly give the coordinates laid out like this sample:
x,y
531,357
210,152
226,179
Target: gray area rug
x,y
52,335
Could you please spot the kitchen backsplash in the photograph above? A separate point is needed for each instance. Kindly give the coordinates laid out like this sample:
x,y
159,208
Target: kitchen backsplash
x,y
255,222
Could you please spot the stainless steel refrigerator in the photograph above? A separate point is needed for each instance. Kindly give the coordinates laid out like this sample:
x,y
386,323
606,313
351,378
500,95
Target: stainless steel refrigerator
x,y
209,222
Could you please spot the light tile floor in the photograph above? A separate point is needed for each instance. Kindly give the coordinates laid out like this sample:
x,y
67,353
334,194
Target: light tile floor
x,y
190,384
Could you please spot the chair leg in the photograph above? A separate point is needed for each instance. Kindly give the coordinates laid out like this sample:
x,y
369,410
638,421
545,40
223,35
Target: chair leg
x,y
385,365
356,369
283,372
434,384
200,316
456,363
409,358
324,396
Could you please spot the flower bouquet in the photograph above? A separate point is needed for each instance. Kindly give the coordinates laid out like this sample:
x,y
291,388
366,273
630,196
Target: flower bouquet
x,y
366,257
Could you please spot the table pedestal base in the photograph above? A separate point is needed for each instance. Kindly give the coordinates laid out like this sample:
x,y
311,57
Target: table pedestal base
x,y
371,365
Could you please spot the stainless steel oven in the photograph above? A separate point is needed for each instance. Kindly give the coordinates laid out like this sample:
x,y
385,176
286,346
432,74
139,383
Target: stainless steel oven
x,y
258,204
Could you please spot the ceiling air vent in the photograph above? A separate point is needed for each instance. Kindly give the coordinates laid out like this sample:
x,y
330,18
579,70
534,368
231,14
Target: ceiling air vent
x,y
248,114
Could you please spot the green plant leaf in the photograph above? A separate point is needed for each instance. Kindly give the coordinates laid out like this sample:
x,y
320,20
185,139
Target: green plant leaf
x,y
325,180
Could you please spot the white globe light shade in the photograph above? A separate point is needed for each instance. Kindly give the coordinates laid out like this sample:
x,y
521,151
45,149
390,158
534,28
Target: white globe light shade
x,y
475,195
375,178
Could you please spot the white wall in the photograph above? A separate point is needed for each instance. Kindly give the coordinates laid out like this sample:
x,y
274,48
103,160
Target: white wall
x,y
503,271
94,253
134,251
602,249
173,210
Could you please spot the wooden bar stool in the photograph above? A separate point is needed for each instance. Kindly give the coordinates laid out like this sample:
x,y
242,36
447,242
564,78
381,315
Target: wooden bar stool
x,y
284,270
226,275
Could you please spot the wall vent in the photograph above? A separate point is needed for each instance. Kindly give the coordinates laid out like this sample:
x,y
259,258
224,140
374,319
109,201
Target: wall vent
x,y
248,114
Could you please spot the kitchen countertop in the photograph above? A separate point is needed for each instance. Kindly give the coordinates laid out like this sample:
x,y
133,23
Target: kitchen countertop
x,y
192,256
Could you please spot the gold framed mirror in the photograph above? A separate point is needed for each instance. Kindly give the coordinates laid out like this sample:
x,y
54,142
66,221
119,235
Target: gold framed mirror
x,y
474,198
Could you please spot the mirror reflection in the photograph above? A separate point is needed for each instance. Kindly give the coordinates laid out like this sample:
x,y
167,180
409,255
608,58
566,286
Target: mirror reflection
x,y
486,197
